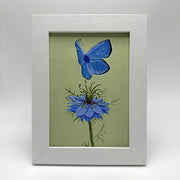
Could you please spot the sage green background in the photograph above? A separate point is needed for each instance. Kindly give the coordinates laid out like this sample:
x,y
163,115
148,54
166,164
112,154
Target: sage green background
x,y
65,72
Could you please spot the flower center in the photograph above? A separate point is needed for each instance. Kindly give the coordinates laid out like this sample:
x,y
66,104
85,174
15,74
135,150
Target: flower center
x,y
86,58
89,98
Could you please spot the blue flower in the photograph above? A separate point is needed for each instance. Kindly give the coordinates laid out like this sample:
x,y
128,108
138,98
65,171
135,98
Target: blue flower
x,y
87,110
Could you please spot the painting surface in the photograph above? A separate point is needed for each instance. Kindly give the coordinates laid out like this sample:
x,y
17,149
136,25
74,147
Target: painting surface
x,y
89,90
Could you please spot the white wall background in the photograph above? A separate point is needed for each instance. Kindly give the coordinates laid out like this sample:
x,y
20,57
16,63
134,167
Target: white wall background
x,y
163,160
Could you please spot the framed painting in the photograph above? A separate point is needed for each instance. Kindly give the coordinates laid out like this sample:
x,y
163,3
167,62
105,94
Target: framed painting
x,y
89,89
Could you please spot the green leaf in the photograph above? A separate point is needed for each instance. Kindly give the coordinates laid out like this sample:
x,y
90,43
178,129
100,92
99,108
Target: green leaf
x,y
100,135
113,102
76,119
95,87
70,91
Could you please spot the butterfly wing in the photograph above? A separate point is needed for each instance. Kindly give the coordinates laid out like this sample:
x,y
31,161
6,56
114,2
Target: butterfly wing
x,y
101,50
96,53
87,70
80,52
99,66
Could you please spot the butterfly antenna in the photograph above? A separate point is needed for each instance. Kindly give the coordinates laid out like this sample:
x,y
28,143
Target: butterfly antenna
x,y
81,44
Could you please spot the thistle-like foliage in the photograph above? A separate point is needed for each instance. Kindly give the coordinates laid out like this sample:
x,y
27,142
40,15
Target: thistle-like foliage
x,y
89,105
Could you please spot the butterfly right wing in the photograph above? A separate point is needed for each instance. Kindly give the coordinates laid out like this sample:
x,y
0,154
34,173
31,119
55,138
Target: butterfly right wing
x,y
80,53
100,50
99,66
96,55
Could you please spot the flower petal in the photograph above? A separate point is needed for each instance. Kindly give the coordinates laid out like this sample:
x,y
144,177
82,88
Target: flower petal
x,y
89,112
105,109
83,97
73,108
97,109
81,117
81,111
98,116
88,119
104,104
96,100
75,99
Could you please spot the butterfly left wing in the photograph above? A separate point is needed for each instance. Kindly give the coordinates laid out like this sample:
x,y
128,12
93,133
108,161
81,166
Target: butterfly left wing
x,y
87,70
80,52
101,50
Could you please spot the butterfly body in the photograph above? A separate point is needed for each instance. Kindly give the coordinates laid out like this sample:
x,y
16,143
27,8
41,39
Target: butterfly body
x,y
92,62
86,58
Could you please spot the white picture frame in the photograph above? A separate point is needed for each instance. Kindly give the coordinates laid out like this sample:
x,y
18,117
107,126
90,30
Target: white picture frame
x,y
135,154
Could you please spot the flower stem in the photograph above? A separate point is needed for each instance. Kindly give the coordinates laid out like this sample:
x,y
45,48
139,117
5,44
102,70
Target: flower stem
x,y
91,134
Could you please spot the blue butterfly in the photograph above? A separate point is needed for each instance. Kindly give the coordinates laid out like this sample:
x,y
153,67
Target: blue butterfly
x,y
92,62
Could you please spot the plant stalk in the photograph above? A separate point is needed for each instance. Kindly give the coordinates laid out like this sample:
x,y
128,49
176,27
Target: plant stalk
x,y
91,134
